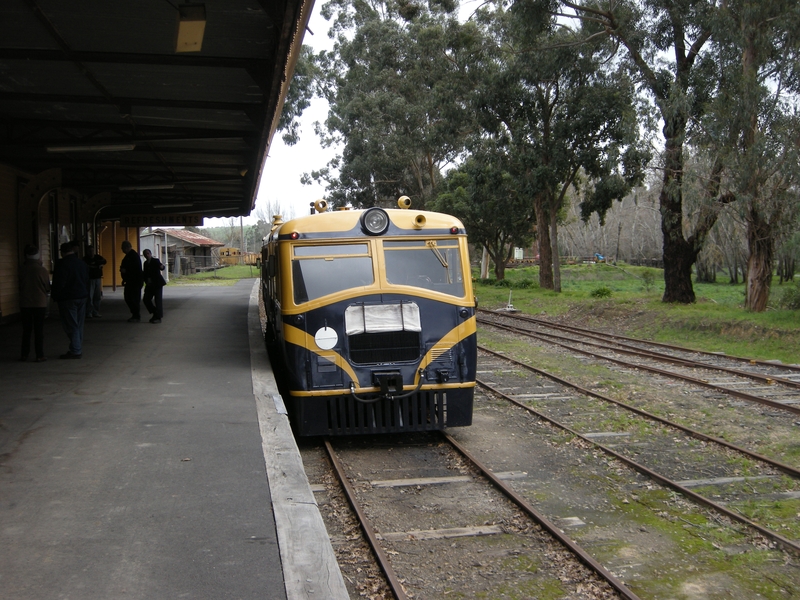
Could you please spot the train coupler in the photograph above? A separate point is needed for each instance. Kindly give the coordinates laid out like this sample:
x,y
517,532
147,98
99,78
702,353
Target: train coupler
x,y
390,382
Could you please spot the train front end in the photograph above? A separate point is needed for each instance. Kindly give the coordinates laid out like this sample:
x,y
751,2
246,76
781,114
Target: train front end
x,y
372,319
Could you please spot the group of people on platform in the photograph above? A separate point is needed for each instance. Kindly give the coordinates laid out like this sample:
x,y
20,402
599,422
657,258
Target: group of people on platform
x,y
134,275
77,288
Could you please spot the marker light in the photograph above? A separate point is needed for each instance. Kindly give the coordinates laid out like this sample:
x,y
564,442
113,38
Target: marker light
x,y
375,221
454,230
294,235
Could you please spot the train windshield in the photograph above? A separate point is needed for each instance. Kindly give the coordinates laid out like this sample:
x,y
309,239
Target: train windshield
x,y
325,269
430,264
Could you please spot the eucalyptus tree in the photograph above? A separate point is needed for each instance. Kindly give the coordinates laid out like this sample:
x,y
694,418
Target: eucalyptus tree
x,y
754,127
566,117
666,47
303,87
485,196
395,83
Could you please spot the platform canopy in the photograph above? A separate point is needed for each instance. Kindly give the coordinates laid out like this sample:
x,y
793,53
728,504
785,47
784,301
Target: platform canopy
x,y
151,105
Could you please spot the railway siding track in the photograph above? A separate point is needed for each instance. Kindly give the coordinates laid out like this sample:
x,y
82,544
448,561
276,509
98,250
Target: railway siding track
x,y
777,369
661,543
689,462
767,431
779,388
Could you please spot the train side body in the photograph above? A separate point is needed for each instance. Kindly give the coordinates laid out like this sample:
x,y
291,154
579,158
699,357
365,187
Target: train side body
x,y
371,333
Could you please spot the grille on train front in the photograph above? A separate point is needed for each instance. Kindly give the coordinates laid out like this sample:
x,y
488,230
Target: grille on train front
x,y
423,411
392,346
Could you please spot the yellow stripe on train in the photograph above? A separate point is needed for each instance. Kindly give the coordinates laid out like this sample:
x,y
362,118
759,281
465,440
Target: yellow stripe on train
x,y
298,337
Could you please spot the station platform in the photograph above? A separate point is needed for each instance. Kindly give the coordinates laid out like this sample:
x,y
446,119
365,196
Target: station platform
x,y
160,465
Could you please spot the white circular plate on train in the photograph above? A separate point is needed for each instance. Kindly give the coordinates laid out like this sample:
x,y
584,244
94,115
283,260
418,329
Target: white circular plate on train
x,y
326,338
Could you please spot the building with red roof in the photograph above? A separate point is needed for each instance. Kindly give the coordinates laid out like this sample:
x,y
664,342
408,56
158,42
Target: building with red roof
x,y
186,251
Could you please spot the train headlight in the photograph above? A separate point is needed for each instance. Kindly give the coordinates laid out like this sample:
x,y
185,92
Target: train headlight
x,y
375,221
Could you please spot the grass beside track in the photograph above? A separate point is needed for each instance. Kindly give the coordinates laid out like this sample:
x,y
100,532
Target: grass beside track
x,y
627,300
222,276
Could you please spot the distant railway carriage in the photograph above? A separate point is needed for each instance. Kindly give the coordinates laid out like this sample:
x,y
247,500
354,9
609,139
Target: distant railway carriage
x,y
234,256
371,320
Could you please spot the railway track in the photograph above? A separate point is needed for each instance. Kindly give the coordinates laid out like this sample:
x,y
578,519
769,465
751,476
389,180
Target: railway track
x,y
761,382
447,518
772,369
668,453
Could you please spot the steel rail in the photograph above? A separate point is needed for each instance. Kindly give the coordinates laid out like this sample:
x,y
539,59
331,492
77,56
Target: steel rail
x,y
543,521
752,361
767,533
366,526
633,350
788,469
700,382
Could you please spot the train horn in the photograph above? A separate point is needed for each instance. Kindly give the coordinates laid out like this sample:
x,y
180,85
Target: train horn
x,y
320,206
419,221
404,202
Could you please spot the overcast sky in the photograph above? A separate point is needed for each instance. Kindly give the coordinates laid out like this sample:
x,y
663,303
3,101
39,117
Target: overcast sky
x,y
285,165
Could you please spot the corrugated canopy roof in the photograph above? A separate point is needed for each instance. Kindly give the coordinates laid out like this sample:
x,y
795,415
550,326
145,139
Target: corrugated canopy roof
x,y
96,89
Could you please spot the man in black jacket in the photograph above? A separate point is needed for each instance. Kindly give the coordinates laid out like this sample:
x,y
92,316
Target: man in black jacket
x,y
71,290
153,286
131,271
95,263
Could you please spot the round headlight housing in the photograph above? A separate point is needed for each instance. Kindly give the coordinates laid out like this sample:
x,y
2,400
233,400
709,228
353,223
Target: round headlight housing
x,y
375,221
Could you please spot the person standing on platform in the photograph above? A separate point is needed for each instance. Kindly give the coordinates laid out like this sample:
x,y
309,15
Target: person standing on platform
x,y
95,263
34,285
71,290
153,286
131,271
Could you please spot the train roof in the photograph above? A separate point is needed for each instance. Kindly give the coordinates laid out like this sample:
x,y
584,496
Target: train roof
x,y
338,222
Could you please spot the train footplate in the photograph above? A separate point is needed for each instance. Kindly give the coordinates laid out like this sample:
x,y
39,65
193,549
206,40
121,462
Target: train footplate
x,y
390,382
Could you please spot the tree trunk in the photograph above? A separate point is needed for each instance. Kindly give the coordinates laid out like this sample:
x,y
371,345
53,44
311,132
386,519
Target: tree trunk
x,y
554,242
679,255
543,237
500,266
678,271
733,271
759,264
485,264
499,271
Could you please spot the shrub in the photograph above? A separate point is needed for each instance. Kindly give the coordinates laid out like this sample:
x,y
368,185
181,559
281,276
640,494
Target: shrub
x,y
648,279
790,298
526,284
601,292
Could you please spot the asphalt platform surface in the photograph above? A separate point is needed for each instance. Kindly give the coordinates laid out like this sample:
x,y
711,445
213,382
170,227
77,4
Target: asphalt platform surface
x,y
139,470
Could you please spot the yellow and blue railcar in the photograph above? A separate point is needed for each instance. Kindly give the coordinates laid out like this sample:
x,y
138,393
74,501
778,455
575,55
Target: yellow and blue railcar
x,y
371,320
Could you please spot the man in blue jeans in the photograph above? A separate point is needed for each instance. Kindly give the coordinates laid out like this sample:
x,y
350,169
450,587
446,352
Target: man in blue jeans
x,y
70,289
